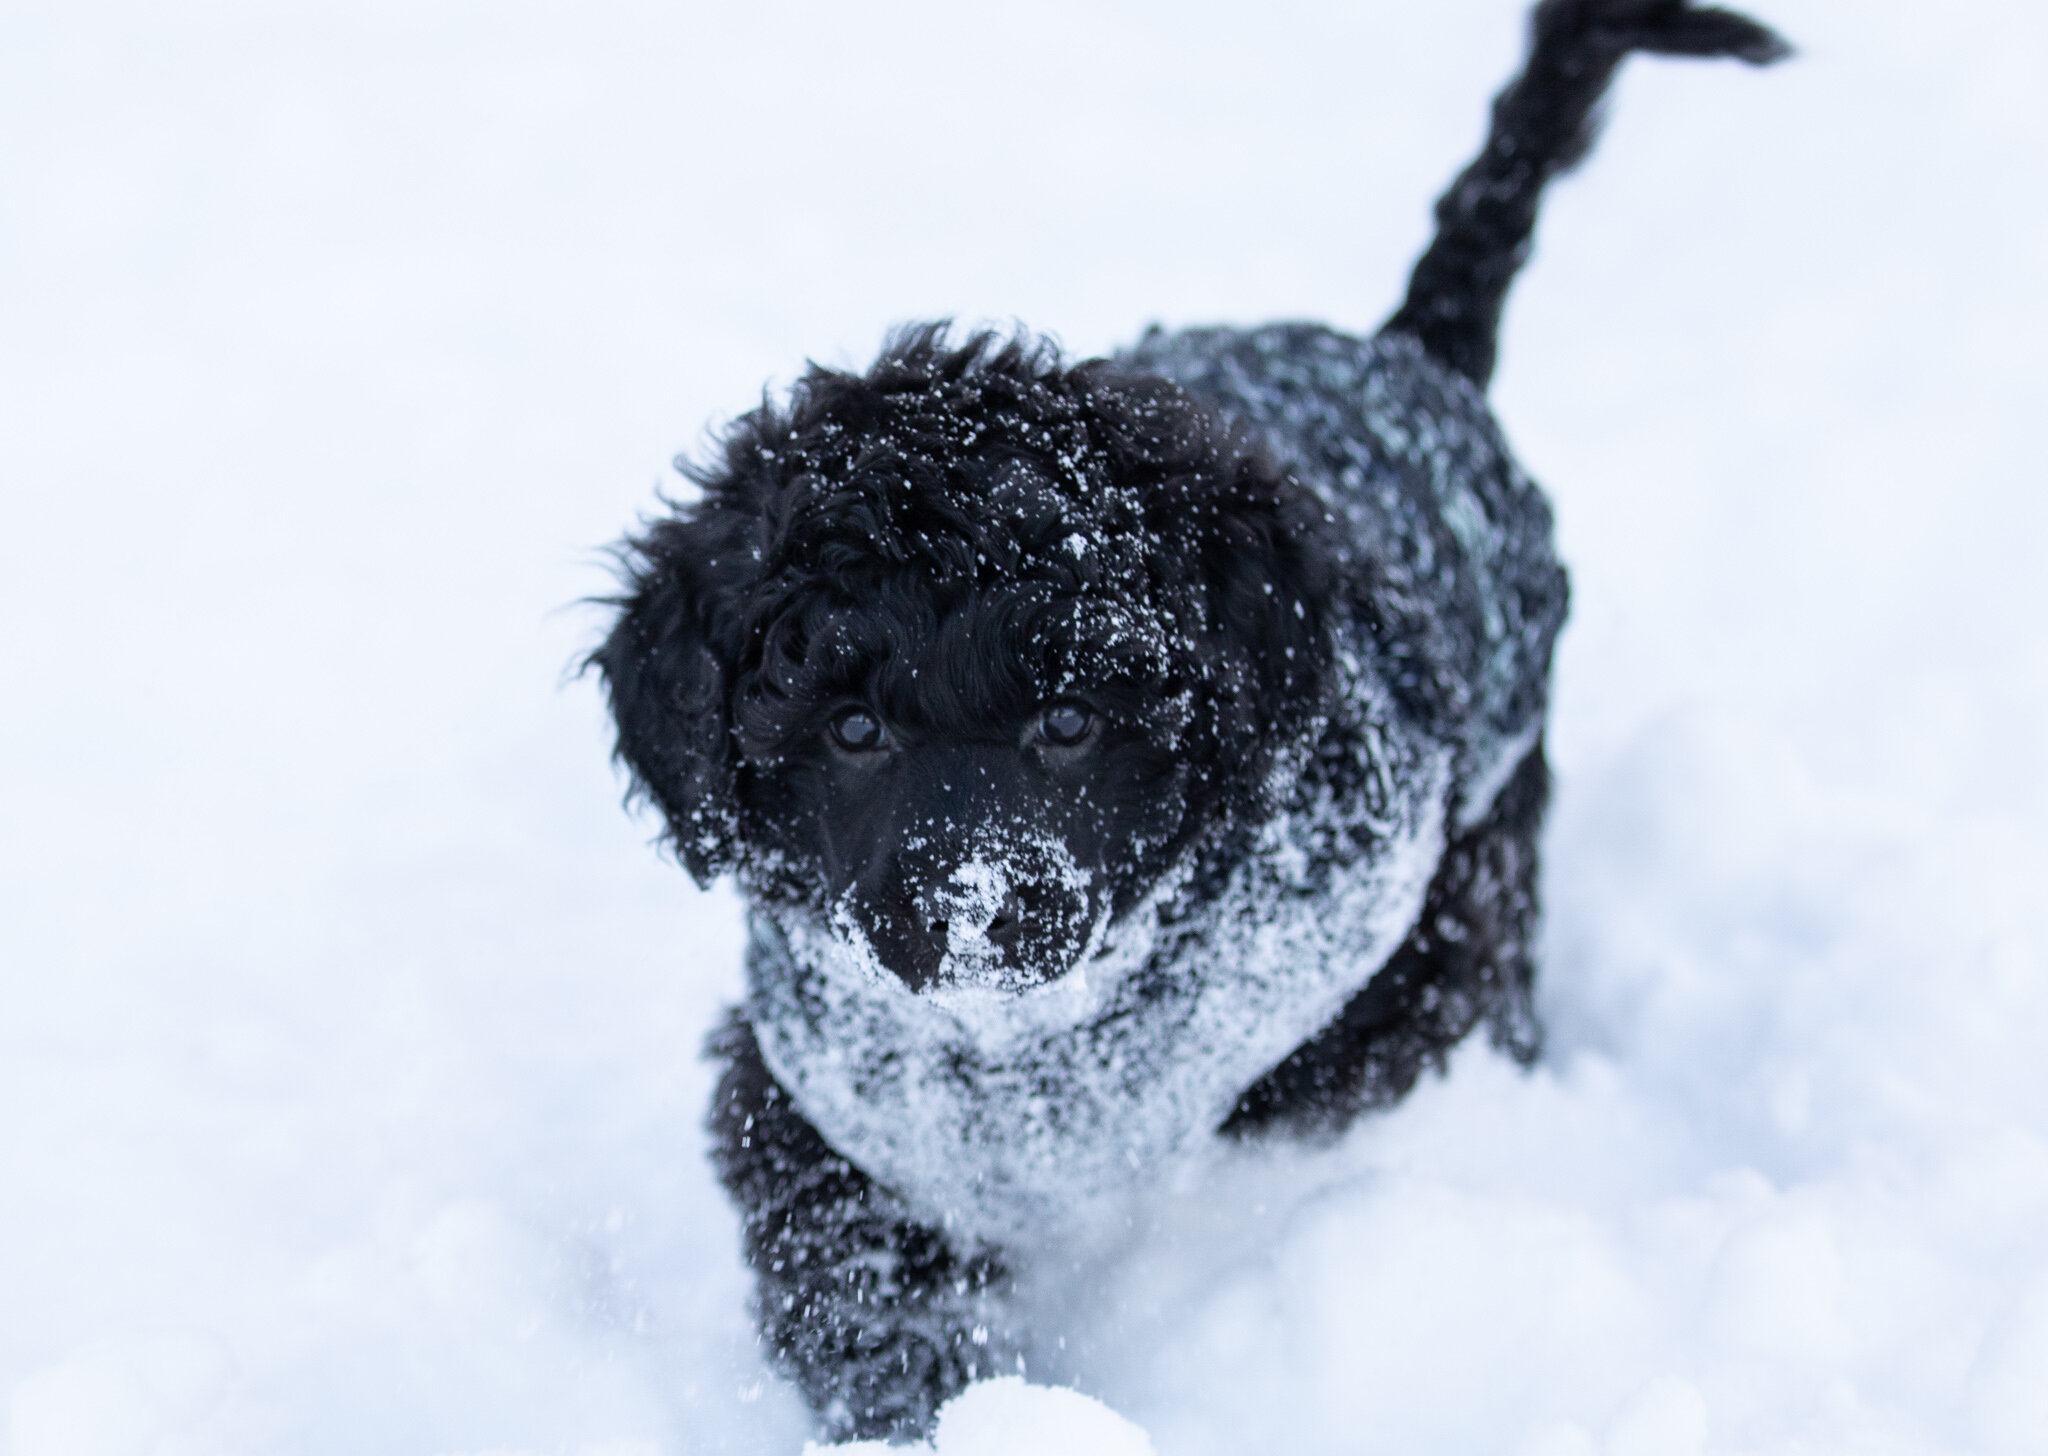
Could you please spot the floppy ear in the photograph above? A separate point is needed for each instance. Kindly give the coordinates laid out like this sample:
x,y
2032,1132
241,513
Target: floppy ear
x,y
668,688
1269,578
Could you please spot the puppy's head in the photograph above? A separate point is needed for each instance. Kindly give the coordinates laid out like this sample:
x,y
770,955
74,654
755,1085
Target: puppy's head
x,y
963,654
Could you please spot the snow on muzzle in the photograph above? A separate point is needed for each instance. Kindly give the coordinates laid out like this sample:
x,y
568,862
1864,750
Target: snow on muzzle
x,y
1010,910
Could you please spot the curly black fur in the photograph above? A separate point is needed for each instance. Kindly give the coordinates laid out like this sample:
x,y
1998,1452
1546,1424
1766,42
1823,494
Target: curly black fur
x,y
1467,961
979,668
1544,123
877,1317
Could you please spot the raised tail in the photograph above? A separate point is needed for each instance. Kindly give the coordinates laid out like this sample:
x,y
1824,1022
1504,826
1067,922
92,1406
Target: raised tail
x,y
1543,123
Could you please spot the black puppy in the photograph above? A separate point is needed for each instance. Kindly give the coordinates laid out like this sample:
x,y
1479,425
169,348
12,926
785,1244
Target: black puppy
x,y
1112,754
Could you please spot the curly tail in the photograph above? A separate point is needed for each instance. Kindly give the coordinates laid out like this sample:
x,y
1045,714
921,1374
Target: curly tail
x,y
1543,124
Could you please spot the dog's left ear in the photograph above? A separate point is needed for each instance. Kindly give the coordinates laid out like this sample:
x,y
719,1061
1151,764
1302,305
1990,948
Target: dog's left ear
x,y
669,697
1269,577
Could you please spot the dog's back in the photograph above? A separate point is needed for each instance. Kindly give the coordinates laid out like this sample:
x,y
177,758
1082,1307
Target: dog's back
x,y
1458,594
1454,569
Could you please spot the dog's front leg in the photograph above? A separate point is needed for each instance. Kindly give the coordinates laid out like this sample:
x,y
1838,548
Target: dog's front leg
x,y
879,1319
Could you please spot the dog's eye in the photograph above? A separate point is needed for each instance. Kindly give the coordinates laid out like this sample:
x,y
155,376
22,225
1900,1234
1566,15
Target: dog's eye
x,y
857,730
1066,724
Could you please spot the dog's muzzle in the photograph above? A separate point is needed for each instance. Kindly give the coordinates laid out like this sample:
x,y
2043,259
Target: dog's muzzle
x,y
1009,914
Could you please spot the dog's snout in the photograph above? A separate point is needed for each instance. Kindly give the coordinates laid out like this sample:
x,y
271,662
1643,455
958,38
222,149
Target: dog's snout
x,y
1007,923
934,927
972,923
1003,927
939,918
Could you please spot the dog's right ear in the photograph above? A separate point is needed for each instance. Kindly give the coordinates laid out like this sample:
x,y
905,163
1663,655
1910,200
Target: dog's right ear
x,y
669,694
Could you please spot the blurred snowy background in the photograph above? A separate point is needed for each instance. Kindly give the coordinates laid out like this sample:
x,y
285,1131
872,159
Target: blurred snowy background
x,y
348,1092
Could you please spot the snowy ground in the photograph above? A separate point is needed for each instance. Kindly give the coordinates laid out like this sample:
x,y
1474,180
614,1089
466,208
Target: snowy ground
x,y
348,1099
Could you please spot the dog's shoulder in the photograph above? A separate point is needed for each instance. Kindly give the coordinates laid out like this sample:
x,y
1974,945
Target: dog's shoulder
x,y
1447,543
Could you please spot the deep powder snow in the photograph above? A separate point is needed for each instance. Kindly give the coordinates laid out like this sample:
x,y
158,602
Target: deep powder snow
x,y
348,1092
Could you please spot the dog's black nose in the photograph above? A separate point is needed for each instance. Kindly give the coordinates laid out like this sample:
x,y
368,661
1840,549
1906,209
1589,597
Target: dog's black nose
x,y
1029,936
1007,924
1004,928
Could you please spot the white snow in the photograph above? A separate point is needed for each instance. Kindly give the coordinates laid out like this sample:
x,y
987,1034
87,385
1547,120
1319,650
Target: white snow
x,y
1008,1416
348,1098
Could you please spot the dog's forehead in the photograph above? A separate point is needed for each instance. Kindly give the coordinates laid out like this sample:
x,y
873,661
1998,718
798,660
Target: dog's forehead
x,y
982,657
1008,514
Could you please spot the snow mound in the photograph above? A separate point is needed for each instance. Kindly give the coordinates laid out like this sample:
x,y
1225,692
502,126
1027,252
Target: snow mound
x,y
1010,1416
